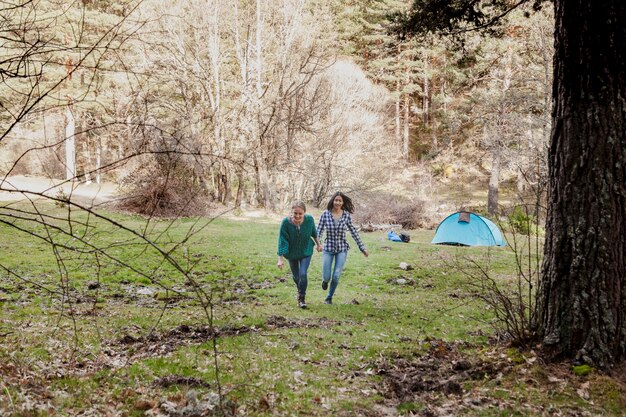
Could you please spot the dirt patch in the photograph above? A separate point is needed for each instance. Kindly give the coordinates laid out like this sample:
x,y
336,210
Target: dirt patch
x,y
20,187
132,348
619,373
436,380
444,368
259,216
168,381
445,379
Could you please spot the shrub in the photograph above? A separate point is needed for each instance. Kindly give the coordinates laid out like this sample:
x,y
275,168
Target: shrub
x,y
383,208
61,198
521,222
512,300
177,192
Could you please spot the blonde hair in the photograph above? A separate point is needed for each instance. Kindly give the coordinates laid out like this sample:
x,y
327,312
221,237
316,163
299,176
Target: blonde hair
x,y
299,204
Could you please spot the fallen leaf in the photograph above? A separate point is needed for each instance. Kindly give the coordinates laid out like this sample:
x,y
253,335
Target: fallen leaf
x,y
583,391
143,404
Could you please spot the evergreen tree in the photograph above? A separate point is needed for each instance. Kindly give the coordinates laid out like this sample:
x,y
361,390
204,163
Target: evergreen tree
x,y
582,306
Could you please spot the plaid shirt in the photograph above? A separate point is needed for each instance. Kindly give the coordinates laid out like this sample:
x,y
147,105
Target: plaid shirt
x,y
336,233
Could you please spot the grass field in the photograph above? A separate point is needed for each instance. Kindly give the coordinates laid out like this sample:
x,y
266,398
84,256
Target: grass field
x,y
211,327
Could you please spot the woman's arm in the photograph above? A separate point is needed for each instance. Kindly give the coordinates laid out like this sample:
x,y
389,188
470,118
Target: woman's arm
x,y
314,236
321,225
283,242
355,235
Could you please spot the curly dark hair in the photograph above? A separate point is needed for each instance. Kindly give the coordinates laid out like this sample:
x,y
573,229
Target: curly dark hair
x,y
347,202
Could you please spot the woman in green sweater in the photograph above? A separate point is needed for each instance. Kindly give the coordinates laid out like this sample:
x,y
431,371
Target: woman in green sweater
x,y
295,242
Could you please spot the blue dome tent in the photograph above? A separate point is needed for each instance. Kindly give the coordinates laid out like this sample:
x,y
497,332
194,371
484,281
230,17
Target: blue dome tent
x,y
468,229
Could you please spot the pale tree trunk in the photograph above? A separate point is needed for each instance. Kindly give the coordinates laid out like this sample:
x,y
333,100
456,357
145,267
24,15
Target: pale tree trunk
x,y
398,114
521,183
83,138
213,183
406,136
494,180
523,165
546,59
223,185
262,176
259,177
426,99
215,99
249,134
252,142
98,160
70,148
433,131
259,50
444,86
209,37
406,121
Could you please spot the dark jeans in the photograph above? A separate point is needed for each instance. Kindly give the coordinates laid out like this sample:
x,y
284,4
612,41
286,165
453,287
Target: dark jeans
x,y
299,269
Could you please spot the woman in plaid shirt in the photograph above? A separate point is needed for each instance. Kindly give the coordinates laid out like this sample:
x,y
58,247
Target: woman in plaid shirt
x,y
336,220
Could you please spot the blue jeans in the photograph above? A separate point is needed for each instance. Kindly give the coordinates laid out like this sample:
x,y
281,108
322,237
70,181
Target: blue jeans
x,y
327,266
299,268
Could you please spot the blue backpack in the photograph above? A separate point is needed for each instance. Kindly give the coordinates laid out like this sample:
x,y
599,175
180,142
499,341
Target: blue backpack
x,y
393,236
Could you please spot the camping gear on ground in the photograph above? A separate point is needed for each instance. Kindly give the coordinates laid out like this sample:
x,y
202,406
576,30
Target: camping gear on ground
x,y
402,237
468,229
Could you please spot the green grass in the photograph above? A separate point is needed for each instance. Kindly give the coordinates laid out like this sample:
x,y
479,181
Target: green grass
x,y
105,348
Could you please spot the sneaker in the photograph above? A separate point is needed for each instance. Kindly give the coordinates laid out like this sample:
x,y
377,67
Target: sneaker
x,y
328,301
301,302
324,285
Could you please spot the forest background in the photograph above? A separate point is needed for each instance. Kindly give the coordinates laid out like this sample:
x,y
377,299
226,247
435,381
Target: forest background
x,y
257,104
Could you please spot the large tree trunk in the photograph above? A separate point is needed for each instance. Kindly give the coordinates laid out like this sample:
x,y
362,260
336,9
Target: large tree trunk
x,y
582,294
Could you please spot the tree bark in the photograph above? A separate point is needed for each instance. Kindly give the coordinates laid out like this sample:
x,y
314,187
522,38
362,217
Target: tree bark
x,y
494,183
240,187
582,310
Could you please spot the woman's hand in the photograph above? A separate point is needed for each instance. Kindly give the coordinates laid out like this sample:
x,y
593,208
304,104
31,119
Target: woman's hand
x,y
318,247
281,262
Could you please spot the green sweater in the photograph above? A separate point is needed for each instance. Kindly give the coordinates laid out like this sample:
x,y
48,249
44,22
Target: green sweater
x,y
294,242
